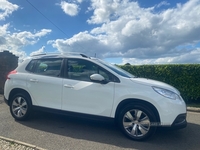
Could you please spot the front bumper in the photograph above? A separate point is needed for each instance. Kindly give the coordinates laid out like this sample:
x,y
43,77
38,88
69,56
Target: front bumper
x,y
180,122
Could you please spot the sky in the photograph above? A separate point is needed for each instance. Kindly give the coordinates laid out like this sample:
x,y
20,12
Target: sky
x,y
118,31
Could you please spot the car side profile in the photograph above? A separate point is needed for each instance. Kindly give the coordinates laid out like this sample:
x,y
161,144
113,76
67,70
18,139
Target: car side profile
x,y
77,84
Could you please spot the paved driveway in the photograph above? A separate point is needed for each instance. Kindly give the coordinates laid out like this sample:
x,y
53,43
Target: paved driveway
x,y
55,132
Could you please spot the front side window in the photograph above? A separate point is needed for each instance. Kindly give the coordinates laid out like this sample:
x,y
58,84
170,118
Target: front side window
x,y
49,67
79,69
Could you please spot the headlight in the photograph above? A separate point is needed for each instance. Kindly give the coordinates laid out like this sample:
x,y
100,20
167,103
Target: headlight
x,y
167,93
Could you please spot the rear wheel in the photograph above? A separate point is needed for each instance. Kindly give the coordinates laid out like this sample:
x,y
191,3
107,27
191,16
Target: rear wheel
x,y
137,121
20,106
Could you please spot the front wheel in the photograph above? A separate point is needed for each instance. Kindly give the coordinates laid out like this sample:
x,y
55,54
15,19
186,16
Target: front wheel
x,y
136,122
20,106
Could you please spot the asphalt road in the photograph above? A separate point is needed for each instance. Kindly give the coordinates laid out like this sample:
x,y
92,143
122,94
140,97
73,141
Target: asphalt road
x,y
56,132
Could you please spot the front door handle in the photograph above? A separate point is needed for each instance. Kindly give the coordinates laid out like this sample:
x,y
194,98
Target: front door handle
x,y
68,86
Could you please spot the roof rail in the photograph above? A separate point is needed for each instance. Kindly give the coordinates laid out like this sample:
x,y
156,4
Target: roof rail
x,y
63,53
49,53
38,54
75,53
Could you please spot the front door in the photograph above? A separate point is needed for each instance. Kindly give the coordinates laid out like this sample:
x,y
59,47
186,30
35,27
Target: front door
x,y
82,95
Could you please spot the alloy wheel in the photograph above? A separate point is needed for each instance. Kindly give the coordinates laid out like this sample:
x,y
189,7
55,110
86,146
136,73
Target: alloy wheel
x,y
136,123
19,107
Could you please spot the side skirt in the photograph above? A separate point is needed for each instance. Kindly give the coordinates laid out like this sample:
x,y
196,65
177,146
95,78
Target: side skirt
x,y
73,114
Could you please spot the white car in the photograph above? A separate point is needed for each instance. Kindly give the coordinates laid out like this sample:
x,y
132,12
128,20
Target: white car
x,y
75,84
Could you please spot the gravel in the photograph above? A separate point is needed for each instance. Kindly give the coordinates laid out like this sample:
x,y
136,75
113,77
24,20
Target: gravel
x,y
10,144
5,145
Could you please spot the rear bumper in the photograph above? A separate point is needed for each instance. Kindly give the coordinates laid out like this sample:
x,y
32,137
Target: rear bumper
x,y
6,101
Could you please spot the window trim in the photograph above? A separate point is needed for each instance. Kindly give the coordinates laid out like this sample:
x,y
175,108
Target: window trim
x,y
65,72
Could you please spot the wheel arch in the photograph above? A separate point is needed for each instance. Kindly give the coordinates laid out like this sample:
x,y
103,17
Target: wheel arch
x,y
16,91
140,102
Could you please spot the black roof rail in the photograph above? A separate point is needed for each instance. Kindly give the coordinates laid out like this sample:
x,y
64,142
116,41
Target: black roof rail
x,y
38,54
83,55
75,53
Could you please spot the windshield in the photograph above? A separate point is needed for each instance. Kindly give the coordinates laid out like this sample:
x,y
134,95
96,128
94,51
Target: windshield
x,y
116,69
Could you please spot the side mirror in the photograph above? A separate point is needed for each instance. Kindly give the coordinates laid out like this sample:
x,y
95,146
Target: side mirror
x,y
98,78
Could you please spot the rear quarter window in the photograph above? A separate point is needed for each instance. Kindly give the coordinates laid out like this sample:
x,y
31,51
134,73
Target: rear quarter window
x,y
30,66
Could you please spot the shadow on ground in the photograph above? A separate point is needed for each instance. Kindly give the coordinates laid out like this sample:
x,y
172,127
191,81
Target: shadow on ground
x,y
108,133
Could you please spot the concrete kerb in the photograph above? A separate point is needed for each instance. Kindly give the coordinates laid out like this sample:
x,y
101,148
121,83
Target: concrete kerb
x,y
193,109
21,143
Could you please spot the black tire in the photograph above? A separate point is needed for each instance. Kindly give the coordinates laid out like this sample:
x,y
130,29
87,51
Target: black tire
x,y
137,122
20,106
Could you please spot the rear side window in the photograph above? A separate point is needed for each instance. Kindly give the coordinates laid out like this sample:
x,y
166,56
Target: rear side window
x,y
48,67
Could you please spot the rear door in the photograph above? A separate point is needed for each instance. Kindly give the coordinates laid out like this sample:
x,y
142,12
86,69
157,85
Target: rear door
x,y
44,83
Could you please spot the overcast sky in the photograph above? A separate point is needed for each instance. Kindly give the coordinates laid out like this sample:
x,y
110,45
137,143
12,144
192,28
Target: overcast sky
x,y
119,31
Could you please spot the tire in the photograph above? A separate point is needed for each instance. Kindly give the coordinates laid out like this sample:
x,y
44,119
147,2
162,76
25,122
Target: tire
x,y
20,106
137,122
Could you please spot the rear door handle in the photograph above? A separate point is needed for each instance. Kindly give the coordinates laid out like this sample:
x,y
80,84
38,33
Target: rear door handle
x,y
68,86
33,80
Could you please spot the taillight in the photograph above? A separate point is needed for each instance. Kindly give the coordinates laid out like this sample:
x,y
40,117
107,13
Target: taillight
x,y
12,72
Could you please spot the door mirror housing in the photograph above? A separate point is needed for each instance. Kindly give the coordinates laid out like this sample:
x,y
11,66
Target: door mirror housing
x,y
98,78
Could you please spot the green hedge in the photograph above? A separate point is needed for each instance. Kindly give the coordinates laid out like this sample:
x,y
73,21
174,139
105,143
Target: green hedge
x,y
186,77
